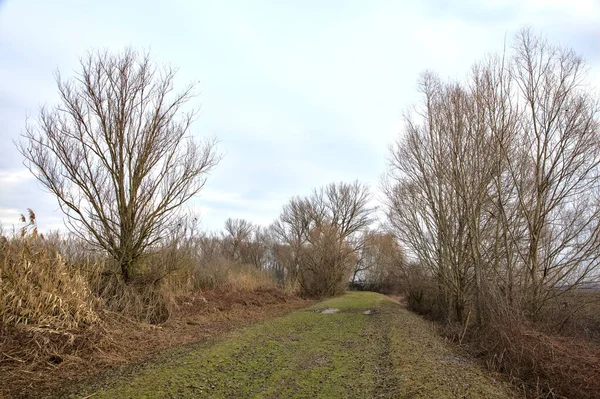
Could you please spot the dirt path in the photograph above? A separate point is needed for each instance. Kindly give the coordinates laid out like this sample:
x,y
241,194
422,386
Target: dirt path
x,y
389,353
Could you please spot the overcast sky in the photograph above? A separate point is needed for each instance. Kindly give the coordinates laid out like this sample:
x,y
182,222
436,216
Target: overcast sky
x,y
299,93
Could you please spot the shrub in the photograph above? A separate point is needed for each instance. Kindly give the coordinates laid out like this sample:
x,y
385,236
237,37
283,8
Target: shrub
x,y
38,287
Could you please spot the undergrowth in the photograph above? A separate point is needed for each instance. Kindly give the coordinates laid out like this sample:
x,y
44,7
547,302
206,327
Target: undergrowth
x,y
555,355
61,300
544,365
39,288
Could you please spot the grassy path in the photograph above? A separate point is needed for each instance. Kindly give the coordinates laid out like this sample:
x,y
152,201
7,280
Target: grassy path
x,y
390,353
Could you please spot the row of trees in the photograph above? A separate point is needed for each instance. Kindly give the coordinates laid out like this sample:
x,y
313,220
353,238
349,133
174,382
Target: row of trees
x,y
493,187
326,241
323,242
118,155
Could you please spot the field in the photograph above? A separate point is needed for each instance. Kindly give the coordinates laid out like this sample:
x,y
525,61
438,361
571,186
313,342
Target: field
x,y
388,353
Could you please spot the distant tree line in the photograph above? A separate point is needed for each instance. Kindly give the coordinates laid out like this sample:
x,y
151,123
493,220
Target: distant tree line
x,y
322,242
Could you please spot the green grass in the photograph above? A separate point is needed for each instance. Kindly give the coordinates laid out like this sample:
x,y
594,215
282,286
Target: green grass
x,y
305,354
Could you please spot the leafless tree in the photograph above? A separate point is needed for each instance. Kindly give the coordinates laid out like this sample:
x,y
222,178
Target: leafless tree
x,y
244,242
318,231
291,230
380,261
494,185
118,154
209,248
256,250
560,132
237,233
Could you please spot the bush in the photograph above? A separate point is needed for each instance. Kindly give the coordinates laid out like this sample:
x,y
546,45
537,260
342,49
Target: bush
x,y
59,283
38,287
223,274
544,365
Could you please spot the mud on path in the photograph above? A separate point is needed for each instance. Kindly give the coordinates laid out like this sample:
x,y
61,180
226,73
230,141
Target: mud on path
x,y
386,353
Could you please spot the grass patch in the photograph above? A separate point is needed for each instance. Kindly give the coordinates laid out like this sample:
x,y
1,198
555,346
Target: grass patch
x,y
428,367
305,354
352,300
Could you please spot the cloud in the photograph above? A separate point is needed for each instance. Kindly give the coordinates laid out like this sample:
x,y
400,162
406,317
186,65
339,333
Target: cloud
x,y
299,94
9,217
14,178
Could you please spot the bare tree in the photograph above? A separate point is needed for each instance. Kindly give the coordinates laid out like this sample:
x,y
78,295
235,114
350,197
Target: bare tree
x,y
494,185
118,154
560,133
380,261
237,233
255,250
425,207
209,248
244,242
319,231
291,229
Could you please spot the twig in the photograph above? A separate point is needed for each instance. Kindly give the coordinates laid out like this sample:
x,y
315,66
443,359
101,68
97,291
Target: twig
x,y
13,358
465,329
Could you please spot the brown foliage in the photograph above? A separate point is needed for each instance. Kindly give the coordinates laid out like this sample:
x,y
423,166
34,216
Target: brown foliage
x,y
39,288
318,237
65,310
544,365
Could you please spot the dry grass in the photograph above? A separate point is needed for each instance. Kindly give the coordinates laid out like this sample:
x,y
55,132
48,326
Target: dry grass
x,y
557,355
39,288
543,365
551,357
65,312
575,314
222,274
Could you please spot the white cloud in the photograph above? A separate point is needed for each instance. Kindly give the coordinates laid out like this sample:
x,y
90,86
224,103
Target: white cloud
x,y
14,177
9,217
299,94
587,10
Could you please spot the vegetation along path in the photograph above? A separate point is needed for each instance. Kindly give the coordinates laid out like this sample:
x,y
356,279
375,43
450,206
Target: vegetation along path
x,y
370,348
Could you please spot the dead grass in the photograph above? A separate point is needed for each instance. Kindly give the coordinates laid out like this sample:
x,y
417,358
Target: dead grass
x,y
86,353
39,288
541,364
65,313
574,314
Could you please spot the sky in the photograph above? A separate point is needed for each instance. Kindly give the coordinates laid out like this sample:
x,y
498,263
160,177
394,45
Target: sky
x,y
298,93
